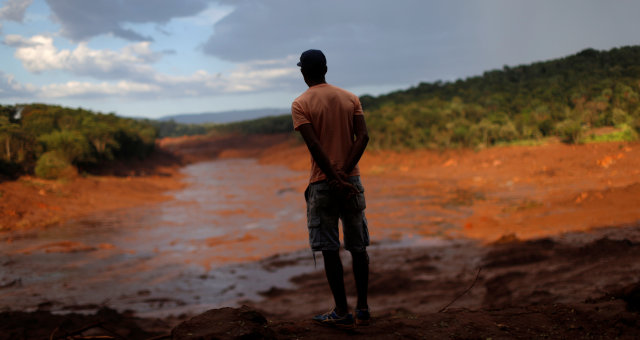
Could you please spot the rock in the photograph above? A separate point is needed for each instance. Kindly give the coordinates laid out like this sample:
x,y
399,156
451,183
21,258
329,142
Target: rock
x,y
225,323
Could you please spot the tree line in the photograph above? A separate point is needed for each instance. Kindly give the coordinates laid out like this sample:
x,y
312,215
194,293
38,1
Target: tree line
x,y
564,97
54,141
263,125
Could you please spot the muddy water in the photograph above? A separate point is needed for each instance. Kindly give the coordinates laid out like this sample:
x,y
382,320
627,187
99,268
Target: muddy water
x,y
192,253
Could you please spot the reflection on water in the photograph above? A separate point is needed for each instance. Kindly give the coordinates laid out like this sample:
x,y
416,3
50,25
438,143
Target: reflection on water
x,y
195,252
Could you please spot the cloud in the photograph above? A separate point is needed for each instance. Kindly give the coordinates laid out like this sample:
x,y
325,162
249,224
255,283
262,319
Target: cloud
x,y
253,77
199,84
404,42
75,89
83,19
13,10
365,42
131,65
39,54
10,88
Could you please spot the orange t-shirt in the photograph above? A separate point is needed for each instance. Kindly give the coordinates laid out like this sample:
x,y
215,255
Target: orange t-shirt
x,y
330,110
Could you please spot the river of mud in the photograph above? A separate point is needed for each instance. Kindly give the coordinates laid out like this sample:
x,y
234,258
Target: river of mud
x,y
197,251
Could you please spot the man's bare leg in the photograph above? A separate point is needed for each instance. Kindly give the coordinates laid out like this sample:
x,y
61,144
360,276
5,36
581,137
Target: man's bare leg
x,y
361,275
335,275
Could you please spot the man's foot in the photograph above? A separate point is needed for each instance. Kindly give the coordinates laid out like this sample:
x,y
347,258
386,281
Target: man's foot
x,y
363,317
333,319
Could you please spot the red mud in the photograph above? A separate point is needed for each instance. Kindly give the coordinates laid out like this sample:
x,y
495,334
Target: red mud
x,y
31,203
554,229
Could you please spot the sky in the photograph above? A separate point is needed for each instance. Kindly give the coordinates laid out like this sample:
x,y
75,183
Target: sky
x,y
151,58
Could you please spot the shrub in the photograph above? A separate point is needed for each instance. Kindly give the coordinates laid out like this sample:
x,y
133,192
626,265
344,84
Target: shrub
x,y
507,132
619,116
53,165
569,130
71,145
546,127
636,125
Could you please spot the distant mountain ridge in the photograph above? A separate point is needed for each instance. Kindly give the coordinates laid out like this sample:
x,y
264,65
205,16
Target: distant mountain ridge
x,y
224,116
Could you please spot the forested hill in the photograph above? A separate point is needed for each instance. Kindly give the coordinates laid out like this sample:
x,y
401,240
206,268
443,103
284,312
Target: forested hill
x,y
53,141
564,97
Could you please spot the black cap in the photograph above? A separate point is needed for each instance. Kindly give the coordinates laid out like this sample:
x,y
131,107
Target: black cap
x,y
312,59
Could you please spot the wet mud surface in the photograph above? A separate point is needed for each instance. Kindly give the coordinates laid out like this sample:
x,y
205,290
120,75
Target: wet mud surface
x,y
193,252
174,256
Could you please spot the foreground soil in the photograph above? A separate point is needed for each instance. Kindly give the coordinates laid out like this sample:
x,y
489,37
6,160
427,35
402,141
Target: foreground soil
x,y
538,242
575,285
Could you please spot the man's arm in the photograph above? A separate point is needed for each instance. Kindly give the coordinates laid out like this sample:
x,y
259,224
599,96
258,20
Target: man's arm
x,y
318,154
357,149
321,158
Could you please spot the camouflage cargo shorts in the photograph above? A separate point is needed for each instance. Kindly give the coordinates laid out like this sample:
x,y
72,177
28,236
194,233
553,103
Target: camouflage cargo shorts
x,y
325,207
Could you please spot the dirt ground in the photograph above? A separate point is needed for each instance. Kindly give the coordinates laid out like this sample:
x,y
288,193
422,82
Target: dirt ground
x,y
543,243
581,285
31,203
574,285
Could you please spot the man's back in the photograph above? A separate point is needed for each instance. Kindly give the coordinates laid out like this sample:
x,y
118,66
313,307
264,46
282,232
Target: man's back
x,y
330,110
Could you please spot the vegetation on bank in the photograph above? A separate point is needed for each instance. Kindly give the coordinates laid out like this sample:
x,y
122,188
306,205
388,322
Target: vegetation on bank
x,y
53,141
563,97
170,128
264,125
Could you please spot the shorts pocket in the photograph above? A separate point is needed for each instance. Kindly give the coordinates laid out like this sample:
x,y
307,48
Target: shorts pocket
x,y
357,201
314,197
361,204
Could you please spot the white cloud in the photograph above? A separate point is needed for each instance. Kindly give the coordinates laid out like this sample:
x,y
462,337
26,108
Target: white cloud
x,y
10,88
260,75
131,67
247,77
14,10
39,54
103,89
253,77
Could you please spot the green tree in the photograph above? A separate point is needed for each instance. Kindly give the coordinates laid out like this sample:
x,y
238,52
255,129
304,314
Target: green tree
x,y
70,145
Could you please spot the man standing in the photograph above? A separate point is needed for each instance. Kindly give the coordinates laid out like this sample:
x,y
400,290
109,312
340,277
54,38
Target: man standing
x,y
332,125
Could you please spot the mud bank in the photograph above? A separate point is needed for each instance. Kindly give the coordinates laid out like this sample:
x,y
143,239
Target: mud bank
x,y
29,203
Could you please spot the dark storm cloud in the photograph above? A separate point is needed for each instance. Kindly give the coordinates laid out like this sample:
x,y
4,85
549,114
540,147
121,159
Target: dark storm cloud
x,y
83,19
405,42
377,41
